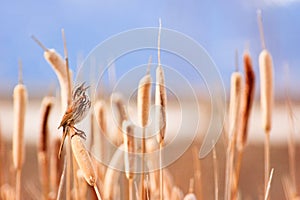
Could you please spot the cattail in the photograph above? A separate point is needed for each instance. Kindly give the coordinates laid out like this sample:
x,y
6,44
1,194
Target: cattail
x,y
234,121
266,88
234,104
246,101
20,102
143,100
100,115
129,146
246,104
43,156
83,159
59,66
143,105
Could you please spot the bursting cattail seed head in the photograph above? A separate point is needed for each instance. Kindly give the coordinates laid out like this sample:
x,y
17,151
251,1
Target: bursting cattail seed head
x,y
266,85
83,159
20,102
247,100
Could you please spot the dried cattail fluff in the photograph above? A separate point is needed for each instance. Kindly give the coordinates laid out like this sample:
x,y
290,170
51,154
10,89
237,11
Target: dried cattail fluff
x,y
266,84
83,159
20,102
129,147
234,104
43,156
177,193
247,100
160,103
144,100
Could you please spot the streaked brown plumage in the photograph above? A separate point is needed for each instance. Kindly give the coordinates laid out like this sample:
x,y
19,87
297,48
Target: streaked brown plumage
x,y
75,113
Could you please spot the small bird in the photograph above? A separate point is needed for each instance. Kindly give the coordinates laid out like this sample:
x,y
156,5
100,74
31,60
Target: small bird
x,y
75,113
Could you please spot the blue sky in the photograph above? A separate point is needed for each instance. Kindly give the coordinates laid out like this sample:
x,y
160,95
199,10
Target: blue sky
x,y
219,26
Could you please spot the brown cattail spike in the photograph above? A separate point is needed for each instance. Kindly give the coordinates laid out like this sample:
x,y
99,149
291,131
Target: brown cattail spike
x,y
247,100
129,146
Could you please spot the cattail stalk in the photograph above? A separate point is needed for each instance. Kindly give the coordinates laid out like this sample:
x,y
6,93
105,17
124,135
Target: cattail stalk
x,y
234,121
20,103
129,159
197,173
246,105
43,151
2,158
266,95
143,104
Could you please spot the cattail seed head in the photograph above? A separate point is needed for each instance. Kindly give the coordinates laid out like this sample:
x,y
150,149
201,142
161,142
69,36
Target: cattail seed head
x,y
266,84
83,159
144,100
235,99
247,100
20,102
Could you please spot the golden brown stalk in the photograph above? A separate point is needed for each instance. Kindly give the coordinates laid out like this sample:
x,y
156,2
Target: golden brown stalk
x,y
245,110
143,107
43,151
20,104
234,121
129,159
100,116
